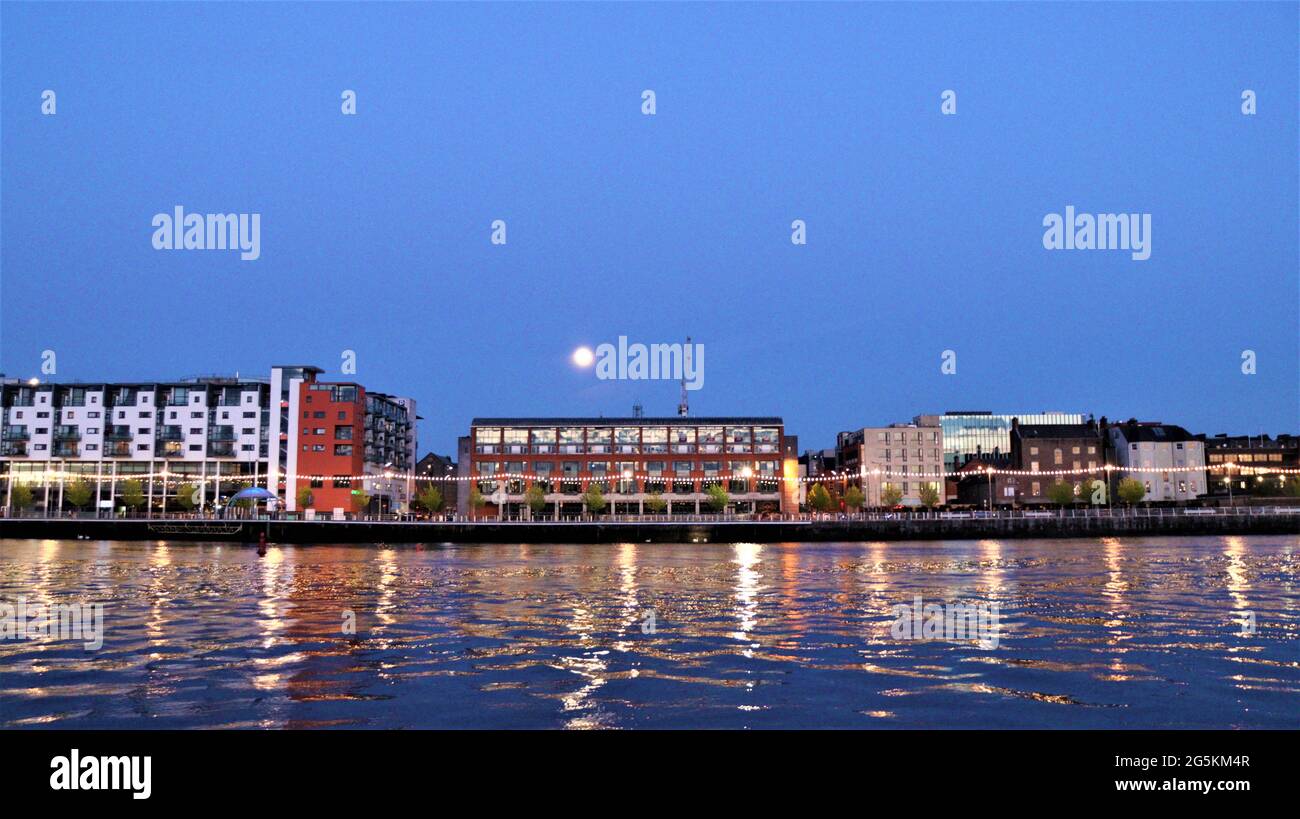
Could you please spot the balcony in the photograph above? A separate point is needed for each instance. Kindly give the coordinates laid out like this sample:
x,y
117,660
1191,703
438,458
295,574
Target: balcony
x,y
118,433
17,434
67,433
14,449
67,450
220,449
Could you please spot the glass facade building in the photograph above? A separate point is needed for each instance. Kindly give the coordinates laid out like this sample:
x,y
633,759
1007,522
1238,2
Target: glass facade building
x,y
968,433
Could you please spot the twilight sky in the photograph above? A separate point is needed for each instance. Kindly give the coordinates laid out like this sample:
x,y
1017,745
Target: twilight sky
x,y
924,231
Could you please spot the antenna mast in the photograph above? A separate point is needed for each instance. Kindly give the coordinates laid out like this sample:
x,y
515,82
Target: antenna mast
x,y
684,409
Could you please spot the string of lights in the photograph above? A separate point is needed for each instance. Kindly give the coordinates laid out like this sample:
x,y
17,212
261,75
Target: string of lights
x,y
834,475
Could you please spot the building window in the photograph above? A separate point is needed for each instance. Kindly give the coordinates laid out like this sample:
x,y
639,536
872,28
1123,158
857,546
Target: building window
x,y
599,440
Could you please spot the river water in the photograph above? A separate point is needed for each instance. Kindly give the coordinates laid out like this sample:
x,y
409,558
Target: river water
x,y
1115,633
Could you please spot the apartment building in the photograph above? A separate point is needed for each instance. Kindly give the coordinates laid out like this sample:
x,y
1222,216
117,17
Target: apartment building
x,y
208,432
907,457
630,459
1168,460
439,472
213,434
1048,448
348,449
1241,463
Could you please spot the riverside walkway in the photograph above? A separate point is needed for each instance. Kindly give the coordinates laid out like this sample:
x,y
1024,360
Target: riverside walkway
x,y
937,525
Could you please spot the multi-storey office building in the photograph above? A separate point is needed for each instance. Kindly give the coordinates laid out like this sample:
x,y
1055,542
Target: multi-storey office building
x,y
1168,460
967,434
630,459
1244,461
210,434
1078,449
907,457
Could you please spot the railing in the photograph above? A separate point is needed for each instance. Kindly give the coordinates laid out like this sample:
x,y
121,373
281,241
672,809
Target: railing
x,y
760,517
847,517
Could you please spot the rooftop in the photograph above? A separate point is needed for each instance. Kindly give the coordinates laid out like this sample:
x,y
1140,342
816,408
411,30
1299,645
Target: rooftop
x,y
666,421
1058,431
1159,433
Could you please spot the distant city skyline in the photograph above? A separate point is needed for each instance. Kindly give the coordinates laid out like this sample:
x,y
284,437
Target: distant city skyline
x,y
924,231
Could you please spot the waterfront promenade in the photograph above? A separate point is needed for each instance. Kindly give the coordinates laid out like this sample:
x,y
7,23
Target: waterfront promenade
x,y
681,529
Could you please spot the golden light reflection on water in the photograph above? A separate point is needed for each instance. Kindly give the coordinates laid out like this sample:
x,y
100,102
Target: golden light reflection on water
x,y
746,557
1238,579
630,613
745,634
1115,587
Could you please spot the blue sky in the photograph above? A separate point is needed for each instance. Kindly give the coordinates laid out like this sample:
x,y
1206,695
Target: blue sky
x,y
924,231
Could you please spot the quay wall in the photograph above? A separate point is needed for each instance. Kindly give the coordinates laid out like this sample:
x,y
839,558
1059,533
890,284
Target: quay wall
x,y
726,531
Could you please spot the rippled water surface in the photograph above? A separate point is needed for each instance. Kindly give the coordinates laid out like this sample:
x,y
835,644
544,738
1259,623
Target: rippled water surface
x,y
1095,633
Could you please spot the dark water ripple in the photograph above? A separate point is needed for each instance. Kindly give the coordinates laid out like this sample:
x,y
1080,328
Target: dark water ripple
x,y
1128,633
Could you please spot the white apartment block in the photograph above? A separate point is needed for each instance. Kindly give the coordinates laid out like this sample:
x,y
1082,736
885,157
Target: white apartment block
x,y
216,434
1168,460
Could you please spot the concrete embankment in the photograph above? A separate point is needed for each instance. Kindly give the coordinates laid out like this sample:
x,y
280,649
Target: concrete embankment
x,y
729,531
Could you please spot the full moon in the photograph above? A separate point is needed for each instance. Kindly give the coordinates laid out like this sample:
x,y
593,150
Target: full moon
x,y
583,357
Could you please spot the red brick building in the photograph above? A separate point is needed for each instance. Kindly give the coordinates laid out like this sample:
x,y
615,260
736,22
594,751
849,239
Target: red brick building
x,y
353,450
630,459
